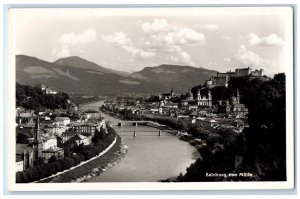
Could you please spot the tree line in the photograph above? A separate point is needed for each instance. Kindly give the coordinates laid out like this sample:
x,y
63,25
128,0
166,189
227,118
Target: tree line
x,y
34,98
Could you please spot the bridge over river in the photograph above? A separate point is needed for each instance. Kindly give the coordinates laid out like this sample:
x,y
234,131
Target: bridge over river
x,y
157,130
135,123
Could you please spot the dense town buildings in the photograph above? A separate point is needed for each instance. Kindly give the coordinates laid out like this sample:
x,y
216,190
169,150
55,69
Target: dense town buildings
x,y
198,101
194,108
233,106
44,133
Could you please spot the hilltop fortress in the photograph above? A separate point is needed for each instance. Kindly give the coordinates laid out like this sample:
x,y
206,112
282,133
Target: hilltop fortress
x,y
222,79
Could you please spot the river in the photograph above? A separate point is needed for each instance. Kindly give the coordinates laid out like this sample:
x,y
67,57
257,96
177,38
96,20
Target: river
x,y
150,158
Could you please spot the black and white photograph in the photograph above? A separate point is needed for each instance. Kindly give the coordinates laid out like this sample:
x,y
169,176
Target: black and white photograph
x,y
186,98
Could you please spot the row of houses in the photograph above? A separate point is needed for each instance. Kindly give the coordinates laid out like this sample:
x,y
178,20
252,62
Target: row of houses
x,y
79,135
48,134
25,153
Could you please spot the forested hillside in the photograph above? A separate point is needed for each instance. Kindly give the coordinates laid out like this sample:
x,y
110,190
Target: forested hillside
x,y
34,98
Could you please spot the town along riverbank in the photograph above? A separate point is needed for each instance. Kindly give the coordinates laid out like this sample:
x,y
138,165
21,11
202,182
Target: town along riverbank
x,y
149,157
93,167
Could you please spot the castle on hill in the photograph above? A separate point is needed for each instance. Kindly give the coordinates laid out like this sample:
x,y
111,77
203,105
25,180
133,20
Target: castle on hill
x,y
222,79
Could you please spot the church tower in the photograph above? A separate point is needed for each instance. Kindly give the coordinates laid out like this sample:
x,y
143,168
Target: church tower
x,y
37,127
209,99
237,96
172,92
198,97
37,143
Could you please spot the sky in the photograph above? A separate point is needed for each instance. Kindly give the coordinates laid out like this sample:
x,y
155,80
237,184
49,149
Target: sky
x,y
221,39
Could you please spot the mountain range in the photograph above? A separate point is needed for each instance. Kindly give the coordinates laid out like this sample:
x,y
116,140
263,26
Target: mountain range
x,y
75,75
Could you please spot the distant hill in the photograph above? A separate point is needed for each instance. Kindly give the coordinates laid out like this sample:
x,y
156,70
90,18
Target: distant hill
x,y
78,62
76,75
165,77
70,79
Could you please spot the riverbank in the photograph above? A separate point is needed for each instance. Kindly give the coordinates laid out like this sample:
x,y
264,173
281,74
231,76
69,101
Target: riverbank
x,y
93,167
106,163
194,142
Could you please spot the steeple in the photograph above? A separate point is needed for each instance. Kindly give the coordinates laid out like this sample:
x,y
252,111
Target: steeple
x,y
189,95
37,143
209,99
209,95
37,128
198,94
172,92
237,96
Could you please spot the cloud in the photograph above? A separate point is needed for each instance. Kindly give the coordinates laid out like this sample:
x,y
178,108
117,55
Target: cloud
x,y
162,31
168,40
180,57
226,37
117,39
209,27
145,54
214,64
73,39
82,52
243,57
270,40
227,59
78,38
161,40
179,37
247,57
142,54
187,36
121,40
63,52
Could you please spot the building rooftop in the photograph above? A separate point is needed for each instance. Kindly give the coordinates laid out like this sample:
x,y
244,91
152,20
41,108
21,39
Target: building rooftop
x,y
239,106
52,150
20,148
78,137
171,104
26,114
61,118
19,158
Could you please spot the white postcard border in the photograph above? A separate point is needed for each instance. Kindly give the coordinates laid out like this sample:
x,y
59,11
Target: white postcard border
x,y
289,184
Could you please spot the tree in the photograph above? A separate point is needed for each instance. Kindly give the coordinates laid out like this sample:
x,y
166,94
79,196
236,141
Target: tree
x,y
34,98
153,98
22,177
22,138
97,136
19,177
57,166
279,77
52,159
38,161
267,121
